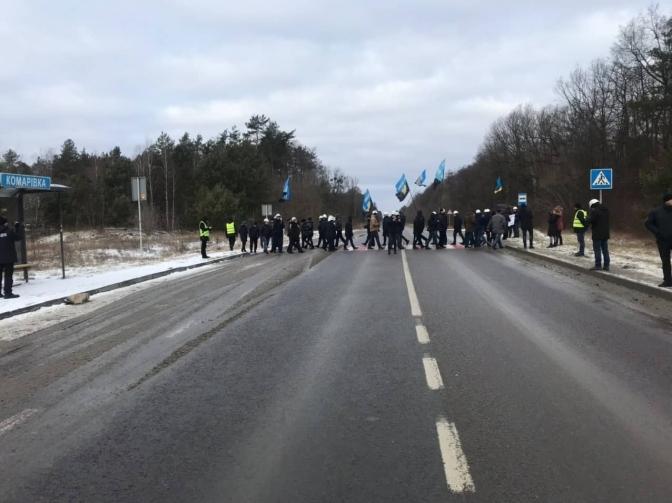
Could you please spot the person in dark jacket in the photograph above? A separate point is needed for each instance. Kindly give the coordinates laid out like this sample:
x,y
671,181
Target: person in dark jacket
x,y
294,235
339,233
331,233
497,227
309,233
387,220
393,231
485,224
470,230
349,234
442,227
552,229
457,227
266,233
598,219
277,235
433,230
579,227
418,227
659,223
254,237
321,231
516,223
243,232
9,235
526,218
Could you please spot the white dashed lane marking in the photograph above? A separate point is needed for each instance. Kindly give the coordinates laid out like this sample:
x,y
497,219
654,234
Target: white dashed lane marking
x,y
422,334
432,373
455,463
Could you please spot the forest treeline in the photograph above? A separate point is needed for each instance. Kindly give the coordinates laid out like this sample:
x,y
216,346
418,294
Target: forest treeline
x,y
229,176
616,113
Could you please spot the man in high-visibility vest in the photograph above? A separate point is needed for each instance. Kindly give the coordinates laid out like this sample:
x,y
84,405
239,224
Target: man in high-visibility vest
x,y
231,234
204,233
579,225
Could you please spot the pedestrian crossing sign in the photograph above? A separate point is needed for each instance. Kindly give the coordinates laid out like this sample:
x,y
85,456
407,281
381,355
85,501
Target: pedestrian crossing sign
x,y
601,179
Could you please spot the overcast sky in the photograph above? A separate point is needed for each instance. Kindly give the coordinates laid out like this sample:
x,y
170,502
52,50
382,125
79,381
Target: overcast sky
x,y
378,88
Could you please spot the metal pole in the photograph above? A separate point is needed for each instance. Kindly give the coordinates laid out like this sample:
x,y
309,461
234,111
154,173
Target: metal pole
x,y
139,212
60,227
20,216
600,196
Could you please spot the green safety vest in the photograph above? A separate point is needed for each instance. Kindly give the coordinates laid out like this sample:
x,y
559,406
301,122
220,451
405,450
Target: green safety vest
x,y
230,229
577,223
203,230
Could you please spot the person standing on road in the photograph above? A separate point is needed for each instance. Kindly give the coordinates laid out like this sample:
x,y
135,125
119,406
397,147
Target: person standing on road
x,y
457,227
516,222
579,227
433,230
254,237
659,223
497,227
598,219
470,230
294,234
393,234
526,218
339,233
402,225
277,234
266,233
242,232
443,228
349,234
8,237
418,227
204,233
374,228
485,224
231,233
310,232
331,233
387,219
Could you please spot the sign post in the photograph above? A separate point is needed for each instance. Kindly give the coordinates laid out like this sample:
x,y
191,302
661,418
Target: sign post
x,y
139,193
522,198
601,179
266,210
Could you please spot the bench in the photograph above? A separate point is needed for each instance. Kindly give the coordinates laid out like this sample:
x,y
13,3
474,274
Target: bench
x,y
25,268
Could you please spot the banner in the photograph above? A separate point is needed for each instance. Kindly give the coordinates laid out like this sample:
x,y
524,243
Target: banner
x,y
499,186
367,203
421,181
402,188
440,173
286,192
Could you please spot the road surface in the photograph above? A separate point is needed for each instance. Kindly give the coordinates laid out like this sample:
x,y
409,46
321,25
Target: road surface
x,y
432,376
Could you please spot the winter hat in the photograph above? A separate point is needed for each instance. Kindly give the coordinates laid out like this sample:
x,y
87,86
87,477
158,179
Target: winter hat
x,y
667,197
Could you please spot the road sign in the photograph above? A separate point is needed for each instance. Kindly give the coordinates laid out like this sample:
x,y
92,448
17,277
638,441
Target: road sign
x,y
601,179
266,210
522,198
138,186
19,181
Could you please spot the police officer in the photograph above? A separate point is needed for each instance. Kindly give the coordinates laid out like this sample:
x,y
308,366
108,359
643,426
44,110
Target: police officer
x,y
266,233
457,227
204,233
418,227
309,232
231,233
8,237
277,234
254,237
433,229
331,233
339,233
393,233
443,228
579,227
402,225
322,232
659,223
485,223
294,234
349,234
242,232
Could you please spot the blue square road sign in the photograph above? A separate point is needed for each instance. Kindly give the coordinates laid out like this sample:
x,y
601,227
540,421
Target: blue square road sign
x,y
601,179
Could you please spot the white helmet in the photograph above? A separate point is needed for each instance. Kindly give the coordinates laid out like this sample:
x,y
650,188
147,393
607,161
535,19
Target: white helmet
x,y
455,212
592,201
486,210
515,207
477,211
433,212
277,215
331,218
265,220
293,219
374,212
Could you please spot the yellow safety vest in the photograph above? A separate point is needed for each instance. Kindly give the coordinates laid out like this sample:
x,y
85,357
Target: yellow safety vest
x,y
203,230
230,229
577,223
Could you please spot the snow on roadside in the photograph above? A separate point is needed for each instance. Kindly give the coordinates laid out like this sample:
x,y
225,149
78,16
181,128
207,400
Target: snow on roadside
x,y
48,285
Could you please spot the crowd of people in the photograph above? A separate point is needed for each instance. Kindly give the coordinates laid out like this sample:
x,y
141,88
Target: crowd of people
x,y
476,229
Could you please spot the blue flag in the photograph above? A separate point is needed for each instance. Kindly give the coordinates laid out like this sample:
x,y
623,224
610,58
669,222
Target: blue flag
x,y
421,181
499,186
440,173
367,203
402,188
286,192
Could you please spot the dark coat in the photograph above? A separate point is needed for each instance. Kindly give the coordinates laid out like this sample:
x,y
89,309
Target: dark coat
x,y
278,228
418,224
242,232
443,222
526,218
294,230
348,229
598,219
254,232
387,221
457,222
553,223
9,236
266,230
659,224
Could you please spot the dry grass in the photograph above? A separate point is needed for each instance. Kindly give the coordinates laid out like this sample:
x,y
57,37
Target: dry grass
x,y
118,246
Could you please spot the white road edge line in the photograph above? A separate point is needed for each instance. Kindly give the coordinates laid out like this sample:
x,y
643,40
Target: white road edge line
x,y
423,335
15,420
412,296
432,373
454,461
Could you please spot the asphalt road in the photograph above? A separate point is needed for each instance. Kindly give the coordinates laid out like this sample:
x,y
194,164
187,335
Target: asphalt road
x,y
456,375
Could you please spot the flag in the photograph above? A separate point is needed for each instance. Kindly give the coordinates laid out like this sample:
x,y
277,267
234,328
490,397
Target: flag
x,y
421,181
440,173
499,186
286,192
402,188
367,203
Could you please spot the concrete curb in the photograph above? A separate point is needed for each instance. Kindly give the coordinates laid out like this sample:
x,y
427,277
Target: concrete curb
x,y
613,278
114,286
